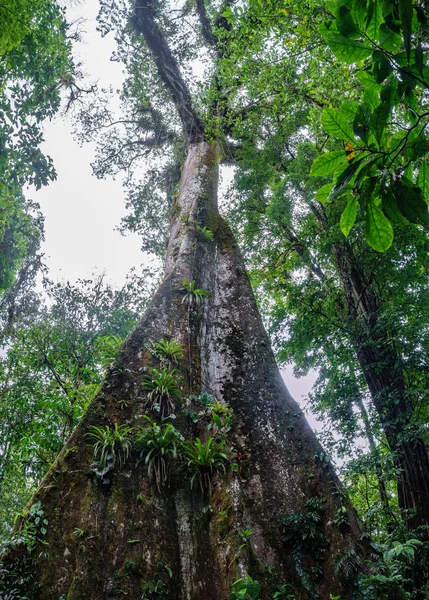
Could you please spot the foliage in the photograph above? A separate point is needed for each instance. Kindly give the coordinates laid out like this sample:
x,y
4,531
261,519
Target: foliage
x,y
204,460
193,296
111,446
382,170
221,414
157,587
30,529
50,369
35,59
163,390
390,572
205,234
167,350
158,445
306,542
245,588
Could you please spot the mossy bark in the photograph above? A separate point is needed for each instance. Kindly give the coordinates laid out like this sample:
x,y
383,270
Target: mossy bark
x,y
104,541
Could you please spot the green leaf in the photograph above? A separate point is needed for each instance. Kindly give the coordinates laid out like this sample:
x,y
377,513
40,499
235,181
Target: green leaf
x,y
416,148
411,202
422,181
349,110
350,51
345,23
336,124
323,193
378,229
359,10
374,19
389,40
347,176
368,81
253,589
379,120
349,214
390,206
327,163
381,66
362,122
406,18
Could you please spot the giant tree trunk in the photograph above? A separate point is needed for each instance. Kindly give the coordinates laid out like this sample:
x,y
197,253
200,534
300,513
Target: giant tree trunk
x,y
104,541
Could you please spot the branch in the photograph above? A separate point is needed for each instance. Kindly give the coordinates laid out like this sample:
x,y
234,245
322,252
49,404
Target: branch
x,y
206,28
168,69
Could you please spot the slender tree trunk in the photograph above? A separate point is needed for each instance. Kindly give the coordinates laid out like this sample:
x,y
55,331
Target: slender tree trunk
x,y
385,379
104,541
375,454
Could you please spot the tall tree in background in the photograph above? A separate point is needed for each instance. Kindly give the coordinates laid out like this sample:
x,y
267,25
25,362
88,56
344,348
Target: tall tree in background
x,y
373,158
255,508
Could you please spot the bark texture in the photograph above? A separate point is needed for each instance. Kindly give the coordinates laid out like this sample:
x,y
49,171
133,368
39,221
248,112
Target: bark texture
x,y
126,528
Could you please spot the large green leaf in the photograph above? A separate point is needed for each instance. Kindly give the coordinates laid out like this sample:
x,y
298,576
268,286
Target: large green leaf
x,y
359,10
349,109
322,193
374,19
378,229
389,40
345,22
379,120
423,180
350,51
390,206
362,122
406,17
411,202
345,178
327,163
335,123
349,214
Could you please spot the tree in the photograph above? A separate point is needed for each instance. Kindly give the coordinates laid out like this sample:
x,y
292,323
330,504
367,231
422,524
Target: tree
x,y
281,136
263,519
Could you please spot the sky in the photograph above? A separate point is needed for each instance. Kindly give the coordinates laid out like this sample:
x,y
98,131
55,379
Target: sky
x,y
82,212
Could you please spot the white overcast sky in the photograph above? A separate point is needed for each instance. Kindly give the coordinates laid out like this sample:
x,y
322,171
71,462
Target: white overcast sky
x,y
82,212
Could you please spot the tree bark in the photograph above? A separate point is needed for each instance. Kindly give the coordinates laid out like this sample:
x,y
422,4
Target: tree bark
x,y
105,540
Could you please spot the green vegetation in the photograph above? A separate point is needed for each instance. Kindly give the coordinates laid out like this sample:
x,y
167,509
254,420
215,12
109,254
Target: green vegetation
x,y
30,529
382,170
167,351
158,446
303,537
112,445
53,363
322,108
193,296
35,60
245,588
164,391
158,586
204,460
